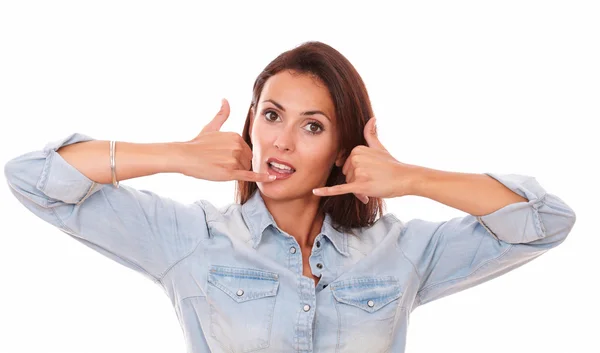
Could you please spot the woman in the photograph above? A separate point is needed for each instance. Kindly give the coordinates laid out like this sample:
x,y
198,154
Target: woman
x,y
300,263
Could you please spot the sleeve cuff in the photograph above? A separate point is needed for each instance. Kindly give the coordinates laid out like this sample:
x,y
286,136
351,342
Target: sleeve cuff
x,y
518,222
60,180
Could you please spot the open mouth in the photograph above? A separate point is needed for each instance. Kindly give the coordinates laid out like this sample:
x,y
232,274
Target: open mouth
x,y
280,171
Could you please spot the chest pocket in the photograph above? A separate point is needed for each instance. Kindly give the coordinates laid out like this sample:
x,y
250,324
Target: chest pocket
x,y
366,308
241,303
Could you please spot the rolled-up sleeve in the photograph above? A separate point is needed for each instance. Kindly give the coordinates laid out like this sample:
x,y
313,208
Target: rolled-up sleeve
x,y
459,253
136,228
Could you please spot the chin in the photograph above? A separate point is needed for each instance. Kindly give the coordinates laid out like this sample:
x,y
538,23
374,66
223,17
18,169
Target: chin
x,y
274,189
282,192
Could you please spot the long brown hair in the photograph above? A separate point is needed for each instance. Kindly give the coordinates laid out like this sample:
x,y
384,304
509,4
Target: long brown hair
x,y
352,109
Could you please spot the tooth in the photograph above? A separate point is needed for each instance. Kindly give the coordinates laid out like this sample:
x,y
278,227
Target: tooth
x,y
281,166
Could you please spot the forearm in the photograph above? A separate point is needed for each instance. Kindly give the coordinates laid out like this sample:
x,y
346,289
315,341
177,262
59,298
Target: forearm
x,y
476,194
132,160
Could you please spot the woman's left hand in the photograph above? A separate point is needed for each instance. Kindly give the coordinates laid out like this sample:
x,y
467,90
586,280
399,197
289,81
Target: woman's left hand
x,y
371,171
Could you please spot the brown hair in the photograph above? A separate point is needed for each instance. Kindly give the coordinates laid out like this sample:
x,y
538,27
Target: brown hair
x,y
352,109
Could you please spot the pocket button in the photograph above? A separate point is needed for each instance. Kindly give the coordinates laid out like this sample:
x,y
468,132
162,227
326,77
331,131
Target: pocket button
x,y
370,303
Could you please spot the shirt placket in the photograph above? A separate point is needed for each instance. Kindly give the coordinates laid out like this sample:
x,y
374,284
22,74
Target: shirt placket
x,y
303,338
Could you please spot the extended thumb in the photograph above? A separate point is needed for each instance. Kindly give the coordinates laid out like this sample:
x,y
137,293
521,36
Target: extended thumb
x,y
219,119
371,134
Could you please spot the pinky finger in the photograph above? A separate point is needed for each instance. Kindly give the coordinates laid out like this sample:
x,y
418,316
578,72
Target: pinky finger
x,y
362,198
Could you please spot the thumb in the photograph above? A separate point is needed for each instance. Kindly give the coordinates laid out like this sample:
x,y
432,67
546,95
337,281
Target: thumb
x,y
219,119
370,133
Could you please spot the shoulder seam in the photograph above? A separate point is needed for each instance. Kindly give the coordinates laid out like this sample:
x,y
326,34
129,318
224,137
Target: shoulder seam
x,y
160,278
400,249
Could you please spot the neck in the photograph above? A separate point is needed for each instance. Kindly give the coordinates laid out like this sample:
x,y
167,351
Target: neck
x,y
298,217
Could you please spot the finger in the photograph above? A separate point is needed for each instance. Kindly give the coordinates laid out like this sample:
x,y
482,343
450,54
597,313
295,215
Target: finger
x,y
247,175
346,166
364,199
350,179
370,132
219,119
244,164
350,176
337,190
247,153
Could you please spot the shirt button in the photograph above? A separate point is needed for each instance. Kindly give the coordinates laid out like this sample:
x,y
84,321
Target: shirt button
x,y
370,303
293,250
306,307
318,244
319,265
239,293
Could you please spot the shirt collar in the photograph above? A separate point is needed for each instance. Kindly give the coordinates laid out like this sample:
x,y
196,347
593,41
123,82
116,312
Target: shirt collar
x,y
258,218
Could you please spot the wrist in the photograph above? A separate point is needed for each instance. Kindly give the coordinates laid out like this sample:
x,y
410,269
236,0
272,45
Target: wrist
x,y
171,156
417,178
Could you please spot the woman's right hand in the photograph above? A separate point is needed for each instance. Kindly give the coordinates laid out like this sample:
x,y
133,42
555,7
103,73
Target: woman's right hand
x,y
219,156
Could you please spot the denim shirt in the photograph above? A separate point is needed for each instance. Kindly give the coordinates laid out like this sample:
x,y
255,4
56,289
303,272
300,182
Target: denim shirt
x,y
235,279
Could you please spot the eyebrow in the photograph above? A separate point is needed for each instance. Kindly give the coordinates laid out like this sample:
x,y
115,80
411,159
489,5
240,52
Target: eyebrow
x,y
310,112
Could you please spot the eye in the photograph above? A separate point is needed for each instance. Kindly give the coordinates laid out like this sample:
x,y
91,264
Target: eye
x,y
271,113
318,126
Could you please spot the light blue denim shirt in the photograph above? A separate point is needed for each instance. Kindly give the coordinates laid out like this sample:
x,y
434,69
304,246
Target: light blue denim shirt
x,y
235,278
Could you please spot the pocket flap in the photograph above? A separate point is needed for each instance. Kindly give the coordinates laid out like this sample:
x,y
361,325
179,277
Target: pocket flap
x,y
367,293
243,284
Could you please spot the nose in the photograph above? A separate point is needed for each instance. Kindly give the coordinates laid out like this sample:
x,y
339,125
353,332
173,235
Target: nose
x,y
281,147
283,141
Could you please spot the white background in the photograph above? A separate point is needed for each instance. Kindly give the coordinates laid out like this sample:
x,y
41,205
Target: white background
x,y
470,86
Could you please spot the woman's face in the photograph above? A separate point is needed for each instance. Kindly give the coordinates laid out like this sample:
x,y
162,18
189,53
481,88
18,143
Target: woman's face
x,y
295,123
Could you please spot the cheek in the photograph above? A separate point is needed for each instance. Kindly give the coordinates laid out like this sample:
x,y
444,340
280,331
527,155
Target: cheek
x,y
261,142
318,155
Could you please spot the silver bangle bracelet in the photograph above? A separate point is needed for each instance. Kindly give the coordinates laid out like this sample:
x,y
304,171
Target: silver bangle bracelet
x,y
112,164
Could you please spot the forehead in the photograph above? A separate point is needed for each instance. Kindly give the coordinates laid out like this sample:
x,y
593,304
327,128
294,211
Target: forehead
x,y
298,92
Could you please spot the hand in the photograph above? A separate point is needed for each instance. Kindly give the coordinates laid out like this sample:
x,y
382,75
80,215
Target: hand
x,y
219,156
371,171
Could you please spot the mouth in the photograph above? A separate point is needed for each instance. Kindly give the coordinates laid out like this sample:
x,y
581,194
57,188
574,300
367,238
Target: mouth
x,y
281,171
